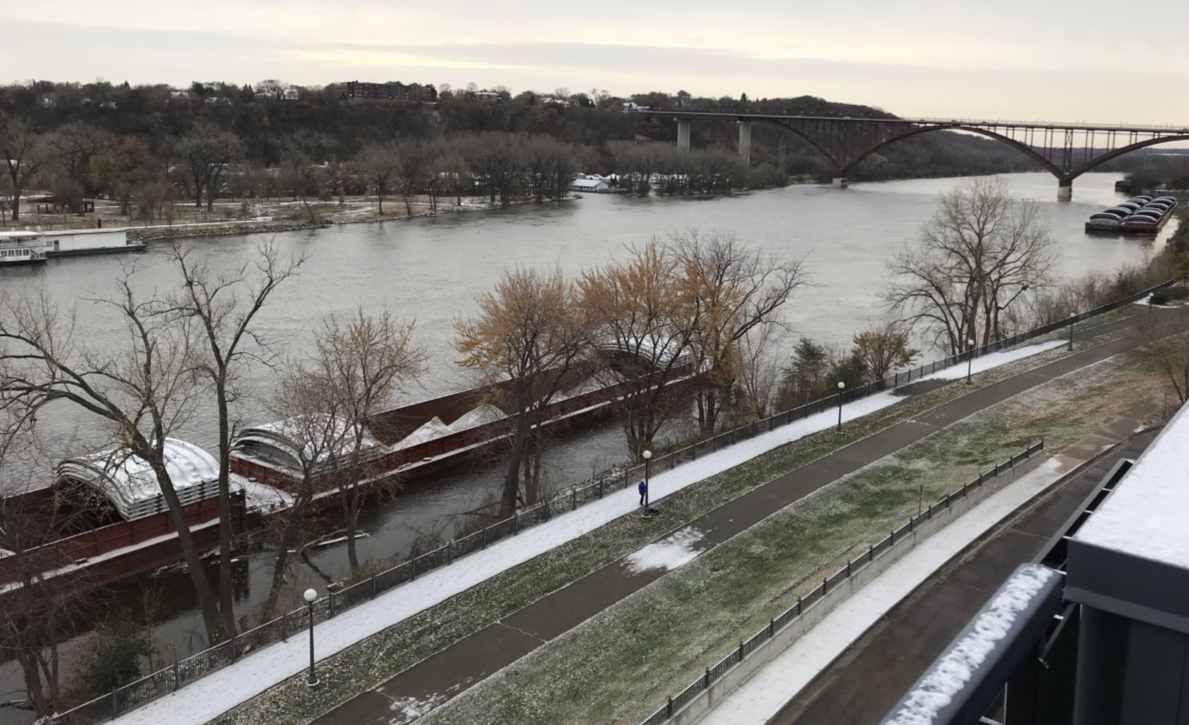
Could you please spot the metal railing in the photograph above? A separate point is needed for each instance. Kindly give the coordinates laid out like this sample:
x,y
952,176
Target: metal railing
x,y
674,703
196,666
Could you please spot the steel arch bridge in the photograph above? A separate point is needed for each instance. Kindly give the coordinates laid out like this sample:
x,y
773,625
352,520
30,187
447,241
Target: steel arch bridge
x,y
1066,150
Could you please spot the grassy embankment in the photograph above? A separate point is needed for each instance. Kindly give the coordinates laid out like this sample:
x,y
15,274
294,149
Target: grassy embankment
x,y
619,666
379,658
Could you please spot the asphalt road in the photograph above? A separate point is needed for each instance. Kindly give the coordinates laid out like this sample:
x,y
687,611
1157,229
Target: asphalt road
x,y
861,686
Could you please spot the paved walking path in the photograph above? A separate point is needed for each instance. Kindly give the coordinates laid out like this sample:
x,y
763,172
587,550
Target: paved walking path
x,y
407,696
888,633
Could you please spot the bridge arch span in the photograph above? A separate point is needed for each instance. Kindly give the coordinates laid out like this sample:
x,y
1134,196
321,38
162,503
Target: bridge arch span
x,y
821,150
1022,148
1093,163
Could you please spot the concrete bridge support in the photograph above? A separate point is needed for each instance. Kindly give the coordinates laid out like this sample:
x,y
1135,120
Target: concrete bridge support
x,y
683,125
745,143
1065,190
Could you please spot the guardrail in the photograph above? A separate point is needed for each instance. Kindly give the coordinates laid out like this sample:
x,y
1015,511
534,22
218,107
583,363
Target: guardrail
x,y
196,666
778,624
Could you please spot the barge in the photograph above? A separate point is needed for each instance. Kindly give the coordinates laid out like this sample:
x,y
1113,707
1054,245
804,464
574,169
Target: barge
x,y
422,438
105,518
1139,215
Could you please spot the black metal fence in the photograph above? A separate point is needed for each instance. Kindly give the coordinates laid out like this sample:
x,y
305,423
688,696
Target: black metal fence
x,y
674,703
202,663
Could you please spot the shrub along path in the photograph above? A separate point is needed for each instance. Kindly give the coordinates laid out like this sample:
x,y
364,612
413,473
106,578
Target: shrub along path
x,y
443,675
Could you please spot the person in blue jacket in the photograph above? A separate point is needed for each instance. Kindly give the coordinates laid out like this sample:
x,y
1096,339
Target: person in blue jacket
x,y
643,489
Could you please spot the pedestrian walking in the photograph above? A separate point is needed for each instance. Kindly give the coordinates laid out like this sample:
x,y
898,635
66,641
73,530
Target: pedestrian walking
x,y
642,487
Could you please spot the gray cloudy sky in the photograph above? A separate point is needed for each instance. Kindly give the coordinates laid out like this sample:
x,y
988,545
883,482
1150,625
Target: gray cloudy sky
x,y
1019,59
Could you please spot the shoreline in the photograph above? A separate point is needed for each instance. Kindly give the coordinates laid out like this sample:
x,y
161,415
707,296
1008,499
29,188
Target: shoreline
x,y
244,228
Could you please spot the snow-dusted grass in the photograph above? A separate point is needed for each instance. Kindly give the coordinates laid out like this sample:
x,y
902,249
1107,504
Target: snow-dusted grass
x,y
619,666
378,658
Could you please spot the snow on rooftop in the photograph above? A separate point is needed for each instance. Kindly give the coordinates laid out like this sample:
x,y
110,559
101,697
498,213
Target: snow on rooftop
x,y
1145,516
950,674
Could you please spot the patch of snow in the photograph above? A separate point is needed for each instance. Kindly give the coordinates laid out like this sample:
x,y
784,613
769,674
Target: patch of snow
x,y
434,428
482,415
1145,516
995,359
937,689
669,553
260,496
411,708
220,691
341,539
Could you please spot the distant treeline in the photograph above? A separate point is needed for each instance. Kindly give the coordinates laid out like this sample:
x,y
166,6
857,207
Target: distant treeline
x,y
146,145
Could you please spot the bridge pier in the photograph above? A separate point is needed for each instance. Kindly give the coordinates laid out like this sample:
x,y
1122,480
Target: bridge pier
x,y
839,182
745,143
1065,190
683,125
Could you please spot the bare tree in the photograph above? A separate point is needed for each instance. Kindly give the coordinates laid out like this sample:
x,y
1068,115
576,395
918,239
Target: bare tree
x,y
644,325
223,308
759,373
144,392
980,251
23,152
1168,354
412,170
882,349
311,425
71,148
362,361
38,611
300,155
532,333
733,290
207,151
380,163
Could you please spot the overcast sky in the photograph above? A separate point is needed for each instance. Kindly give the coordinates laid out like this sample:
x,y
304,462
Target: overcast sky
x,y
1014,59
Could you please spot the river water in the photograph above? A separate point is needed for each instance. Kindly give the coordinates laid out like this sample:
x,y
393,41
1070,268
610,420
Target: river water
x,y
431,270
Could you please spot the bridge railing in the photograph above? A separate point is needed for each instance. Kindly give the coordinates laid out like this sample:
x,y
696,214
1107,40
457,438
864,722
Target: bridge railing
x,y
280,629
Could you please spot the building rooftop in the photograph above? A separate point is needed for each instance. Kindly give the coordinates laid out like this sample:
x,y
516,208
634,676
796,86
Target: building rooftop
x,y
1146,516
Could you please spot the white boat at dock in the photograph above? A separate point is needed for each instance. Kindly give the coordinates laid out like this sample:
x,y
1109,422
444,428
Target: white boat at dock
x,y
28,247
20,248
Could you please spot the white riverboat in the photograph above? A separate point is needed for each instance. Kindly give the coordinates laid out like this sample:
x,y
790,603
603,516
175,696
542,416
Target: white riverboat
x,y
29,247
20,248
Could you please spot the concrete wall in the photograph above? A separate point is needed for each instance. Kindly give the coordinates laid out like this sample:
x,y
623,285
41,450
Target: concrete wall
x,y
701,705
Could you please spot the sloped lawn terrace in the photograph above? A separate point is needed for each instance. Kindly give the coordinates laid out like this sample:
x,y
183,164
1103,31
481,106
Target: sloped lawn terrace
x,y
620,666
379,658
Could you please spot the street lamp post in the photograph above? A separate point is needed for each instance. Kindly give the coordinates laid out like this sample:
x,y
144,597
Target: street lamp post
x,y
969,361
311,681
841,387
1072,319
647,475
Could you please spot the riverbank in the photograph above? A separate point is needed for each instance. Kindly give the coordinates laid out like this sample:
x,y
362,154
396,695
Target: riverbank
x,y
239,218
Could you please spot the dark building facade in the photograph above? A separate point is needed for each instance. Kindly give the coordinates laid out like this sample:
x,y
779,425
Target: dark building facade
x,y
390,91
